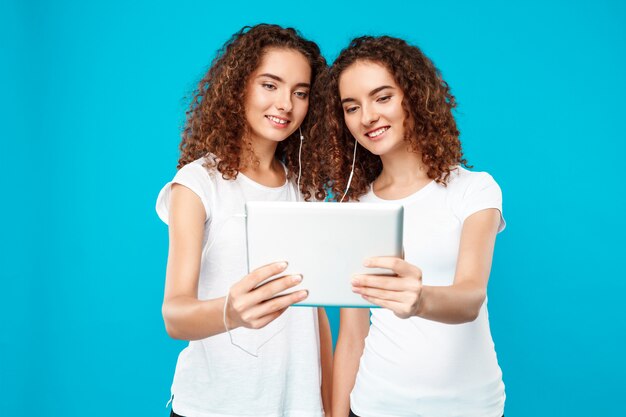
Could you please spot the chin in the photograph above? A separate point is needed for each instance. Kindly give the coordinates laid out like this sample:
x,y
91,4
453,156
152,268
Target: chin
x,y
376,150
281,138
276,137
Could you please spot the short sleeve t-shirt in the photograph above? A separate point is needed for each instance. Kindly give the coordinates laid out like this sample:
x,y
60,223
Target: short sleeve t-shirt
x,y
213,377
418,367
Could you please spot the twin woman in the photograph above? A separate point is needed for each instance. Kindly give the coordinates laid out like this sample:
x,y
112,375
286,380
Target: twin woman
x,y
271,121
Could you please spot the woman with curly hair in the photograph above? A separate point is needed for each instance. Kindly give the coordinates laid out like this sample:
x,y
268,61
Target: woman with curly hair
x,y
428,351
248,353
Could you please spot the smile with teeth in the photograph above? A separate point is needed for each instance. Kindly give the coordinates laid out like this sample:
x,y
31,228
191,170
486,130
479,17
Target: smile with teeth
x,y
377,132
278,120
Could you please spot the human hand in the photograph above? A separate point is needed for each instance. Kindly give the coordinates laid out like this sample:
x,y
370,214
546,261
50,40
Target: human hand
x,y
254,306
400,293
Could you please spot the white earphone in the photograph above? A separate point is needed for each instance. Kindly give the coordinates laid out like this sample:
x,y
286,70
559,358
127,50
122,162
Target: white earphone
x,y
299,162
356,144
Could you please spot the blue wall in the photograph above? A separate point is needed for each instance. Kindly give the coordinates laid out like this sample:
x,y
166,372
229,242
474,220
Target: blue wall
x,y
93,96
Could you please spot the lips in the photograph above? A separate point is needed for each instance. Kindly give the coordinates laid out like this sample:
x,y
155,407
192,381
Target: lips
x,y
378,132
278,122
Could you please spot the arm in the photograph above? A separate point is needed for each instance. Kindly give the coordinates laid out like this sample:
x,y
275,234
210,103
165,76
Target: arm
x,y
326,358
462,301
458,303
188,318
353,328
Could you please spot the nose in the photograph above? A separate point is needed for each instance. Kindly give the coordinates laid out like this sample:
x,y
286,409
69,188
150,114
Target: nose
x,y
369,116
283,102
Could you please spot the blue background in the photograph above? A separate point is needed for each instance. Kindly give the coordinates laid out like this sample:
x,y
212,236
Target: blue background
x,y
93,97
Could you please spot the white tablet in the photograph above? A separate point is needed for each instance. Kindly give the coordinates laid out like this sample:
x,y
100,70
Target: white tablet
x,y
324,242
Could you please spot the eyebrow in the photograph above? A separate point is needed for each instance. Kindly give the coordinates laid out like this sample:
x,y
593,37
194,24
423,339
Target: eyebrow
x,y
280,80
371,93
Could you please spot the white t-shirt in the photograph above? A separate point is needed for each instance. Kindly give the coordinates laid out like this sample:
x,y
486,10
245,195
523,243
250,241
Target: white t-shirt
x,y
213,377
417,367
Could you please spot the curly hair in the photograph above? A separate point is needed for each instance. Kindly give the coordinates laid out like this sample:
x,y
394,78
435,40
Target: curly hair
x,y
216,123
429,125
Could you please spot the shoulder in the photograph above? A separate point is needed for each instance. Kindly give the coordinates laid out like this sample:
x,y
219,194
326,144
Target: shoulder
x,y
464,176
200,167
469,192
196,177
462,180
201,171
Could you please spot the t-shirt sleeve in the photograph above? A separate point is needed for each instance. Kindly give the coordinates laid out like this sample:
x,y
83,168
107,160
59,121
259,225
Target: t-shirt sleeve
x,y
482,193
193,176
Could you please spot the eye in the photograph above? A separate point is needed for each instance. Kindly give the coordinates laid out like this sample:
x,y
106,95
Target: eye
x,y
383,99
269,86
301,94
351,109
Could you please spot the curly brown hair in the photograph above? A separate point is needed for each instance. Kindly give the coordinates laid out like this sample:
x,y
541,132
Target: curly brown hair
x,y
429,125
216,122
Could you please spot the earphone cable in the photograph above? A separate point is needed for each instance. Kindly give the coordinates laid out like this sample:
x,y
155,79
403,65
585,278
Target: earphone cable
x,y
351,172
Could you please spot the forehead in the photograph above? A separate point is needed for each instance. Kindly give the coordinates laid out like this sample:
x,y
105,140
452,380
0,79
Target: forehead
x,y
362,77
288,64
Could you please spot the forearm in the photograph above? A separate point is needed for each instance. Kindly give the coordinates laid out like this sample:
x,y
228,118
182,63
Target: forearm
x,y
346,364
326,359
187,318
462,301
455,304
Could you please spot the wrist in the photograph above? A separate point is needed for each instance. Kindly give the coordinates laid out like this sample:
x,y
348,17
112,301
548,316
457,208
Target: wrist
x,y
227,320
420,303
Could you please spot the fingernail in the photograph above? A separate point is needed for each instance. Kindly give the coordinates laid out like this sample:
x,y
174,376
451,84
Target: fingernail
x,y
354,280
296,278
303,295
282,265
366,262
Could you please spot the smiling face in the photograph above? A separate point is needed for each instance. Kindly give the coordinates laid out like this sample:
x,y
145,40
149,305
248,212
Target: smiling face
x,y
372,107
277,95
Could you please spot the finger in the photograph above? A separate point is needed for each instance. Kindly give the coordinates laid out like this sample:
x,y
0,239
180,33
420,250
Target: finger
x,y
397,265
384,282
380,294
278,303
396,308
273,287
267,319
260,274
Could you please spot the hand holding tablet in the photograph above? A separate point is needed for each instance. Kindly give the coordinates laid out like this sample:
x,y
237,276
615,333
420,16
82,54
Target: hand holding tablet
x,y
253,304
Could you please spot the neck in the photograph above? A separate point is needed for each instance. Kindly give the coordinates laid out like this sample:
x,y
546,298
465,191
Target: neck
x,y
403,168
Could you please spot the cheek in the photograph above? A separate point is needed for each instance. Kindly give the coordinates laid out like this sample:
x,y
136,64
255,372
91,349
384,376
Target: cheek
x,y
256,100
302,108
249,103
398,113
